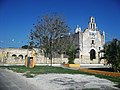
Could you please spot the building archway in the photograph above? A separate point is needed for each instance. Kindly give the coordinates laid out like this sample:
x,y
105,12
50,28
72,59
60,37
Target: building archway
x,y
92,54
20,56
14,56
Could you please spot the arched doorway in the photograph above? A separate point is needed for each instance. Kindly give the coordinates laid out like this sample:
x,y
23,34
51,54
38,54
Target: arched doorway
x,y
92,54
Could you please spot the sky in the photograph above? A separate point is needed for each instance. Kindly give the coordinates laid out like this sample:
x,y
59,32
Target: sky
x,y
18,16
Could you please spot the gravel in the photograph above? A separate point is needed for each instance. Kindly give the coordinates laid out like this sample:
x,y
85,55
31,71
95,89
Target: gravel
x,y
70,82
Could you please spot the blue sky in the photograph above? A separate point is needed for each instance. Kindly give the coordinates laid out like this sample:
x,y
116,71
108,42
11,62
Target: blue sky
x,y
18,16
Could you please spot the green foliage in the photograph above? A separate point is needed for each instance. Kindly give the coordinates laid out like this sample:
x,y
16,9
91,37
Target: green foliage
x,y
24,47
30,46
71,52
112,54
42,70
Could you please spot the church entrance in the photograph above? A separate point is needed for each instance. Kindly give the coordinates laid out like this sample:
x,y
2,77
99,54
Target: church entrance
x,y
92,54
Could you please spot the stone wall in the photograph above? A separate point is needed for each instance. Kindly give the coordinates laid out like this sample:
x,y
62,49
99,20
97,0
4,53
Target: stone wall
x,y
6,56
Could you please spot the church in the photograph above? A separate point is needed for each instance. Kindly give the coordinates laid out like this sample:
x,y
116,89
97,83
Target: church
x,y
90,42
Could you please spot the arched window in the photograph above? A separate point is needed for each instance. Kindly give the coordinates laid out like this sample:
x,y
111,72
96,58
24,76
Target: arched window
x,y
92,54
20,56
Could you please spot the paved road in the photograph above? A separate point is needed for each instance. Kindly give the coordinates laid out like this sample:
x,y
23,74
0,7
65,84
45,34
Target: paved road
x,y
12,81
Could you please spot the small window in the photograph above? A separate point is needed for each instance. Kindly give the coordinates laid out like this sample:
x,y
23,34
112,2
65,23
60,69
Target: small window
x,y
99,48
92,41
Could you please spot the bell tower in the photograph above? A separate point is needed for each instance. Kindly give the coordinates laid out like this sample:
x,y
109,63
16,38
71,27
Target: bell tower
x,y
92,24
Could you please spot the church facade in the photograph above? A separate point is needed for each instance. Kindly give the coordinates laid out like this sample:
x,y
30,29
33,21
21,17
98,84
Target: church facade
x,y
90,42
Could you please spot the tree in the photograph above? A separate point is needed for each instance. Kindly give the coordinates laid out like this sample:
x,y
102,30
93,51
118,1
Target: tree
x,y
71,52
71,49
30,46
61,45
112,54
46,32
24,47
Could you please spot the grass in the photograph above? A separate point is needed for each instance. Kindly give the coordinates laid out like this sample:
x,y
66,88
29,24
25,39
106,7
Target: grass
x,y
43,70
50,69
